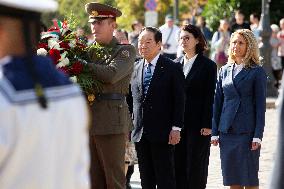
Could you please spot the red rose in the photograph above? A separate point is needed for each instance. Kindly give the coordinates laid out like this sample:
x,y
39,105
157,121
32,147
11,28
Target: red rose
x,y
64,69
64,45
77,68
42,45
54,55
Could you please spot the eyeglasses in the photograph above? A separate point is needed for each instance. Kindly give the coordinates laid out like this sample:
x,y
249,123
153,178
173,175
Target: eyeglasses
x,y
185,38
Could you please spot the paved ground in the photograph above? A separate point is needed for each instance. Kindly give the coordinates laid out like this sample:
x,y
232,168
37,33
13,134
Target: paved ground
x,y
266,159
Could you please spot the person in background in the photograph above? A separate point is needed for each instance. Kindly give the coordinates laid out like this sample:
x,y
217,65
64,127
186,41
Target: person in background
x,y
201,24
192,19
280,36
220,44
110,115
43,144
80,33
275,59
239,112
133,36
170,33
239,22
254,20
192,153
121,36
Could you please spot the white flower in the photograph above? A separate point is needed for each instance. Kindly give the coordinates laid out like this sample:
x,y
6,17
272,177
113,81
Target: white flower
x,y
53,44
63,55
72,43
41,52
63,62
73,79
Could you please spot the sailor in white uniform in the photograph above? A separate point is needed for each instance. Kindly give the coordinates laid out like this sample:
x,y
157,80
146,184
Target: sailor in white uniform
x,y
43,116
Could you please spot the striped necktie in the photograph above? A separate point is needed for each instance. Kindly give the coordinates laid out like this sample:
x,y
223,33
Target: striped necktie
x,y
147,78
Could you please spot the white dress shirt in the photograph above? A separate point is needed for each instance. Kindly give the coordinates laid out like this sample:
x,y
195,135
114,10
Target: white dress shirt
x,y
237,69
153,64
187,64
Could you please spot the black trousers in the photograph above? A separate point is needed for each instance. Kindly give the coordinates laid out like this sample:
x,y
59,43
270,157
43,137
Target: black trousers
x,y
129,173
192,160
156,164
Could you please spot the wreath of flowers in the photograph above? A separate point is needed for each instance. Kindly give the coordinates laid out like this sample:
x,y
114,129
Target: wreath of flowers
x,y
69,54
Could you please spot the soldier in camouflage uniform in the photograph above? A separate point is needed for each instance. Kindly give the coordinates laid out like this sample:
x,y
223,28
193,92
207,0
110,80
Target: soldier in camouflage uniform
x,y
110,112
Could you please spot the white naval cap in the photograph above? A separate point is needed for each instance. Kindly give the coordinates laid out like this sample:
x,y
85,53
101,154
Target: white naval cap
x,y
31,5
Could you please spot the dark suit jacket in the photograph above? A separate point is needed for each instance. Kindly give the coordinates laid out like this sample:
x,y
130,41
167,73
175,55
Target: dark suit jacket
x,y
240,102
200,89
163,105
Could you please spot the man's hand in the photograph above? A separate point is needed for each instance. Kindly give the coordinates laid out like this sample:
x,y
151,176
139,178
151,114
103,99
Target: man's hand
x,y
255,145
174,137
205,131
215,142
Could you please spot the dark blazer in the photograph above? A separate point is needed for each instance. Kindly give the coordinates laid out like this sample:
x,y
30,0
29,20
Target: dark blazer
x,y
240,102
199,89
163,106
192,153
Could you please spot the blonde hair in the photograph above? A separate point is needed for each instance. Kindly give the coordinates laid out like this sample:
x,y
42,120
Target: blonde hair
x,y
252,55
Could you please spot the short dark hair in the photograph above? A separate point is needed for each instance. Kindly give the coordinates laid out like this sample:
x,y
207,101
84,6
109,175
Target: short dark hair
x,y
197,34
238,11
255,15
156,31
123,31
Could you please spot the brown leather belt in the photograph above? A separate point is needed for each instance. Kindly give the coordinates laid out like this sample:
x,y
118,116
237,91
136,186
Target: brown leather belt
x,y
110,96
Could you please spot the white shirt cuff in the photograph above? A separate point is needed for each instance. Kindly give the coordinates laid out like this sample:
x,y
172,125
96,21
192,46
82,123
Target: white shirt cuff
x,y
256,140
176,128
214,138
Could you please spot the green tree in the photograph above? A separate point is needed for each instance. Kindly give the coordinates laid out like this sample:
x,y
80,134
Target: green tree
x,y
276,9
131,11
218,9
135,10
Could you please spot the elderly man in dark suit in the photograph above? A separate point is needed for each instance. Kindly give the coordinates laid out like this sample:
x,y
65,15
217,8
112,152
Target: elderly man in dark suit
x,y
157,86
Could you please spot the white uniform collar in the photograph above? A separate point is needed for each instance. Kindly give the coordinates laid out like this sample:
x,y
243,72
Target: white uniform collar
x,y
5,60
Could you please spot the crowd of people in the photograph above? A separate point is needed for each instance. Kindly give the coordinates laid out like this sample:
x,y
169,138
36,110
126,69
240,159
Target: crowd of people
x,y
165,98
217,41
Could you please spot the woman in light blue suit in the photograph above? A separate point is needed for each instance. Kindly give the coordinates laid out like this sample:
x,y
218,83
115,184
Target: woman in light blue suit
x,y
239,112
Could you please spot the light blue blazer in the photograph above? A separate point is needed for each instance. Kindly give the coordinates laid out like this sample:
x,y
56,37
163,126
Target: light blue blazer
x,y
239,103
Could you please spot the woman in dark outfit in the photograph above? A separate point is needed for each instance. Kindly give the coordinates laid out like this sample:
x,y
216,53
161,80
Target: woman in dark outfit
x,y
192,153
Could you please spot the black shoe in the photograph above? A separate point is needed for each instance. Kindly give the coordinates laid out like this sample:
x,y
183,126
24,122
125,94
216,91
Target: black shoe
x,y
128,186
